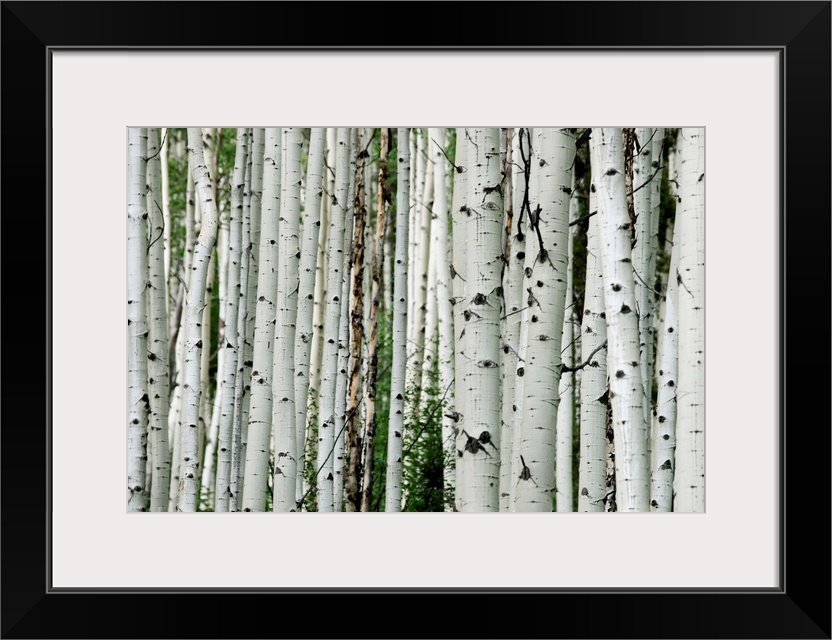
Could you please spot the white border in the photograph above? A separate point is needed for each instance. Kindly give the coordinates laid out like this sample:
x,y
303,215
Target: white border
x,y
97,95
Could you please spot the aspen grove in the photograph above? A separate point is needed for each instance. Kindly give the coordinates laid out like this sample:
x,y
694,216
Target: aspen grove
x,y
416,319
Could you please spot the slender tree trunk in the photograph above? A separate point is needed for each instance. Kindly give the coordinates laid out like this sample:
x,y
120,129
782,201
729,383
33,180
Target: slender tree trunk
x,y
255,484
329,361
689,479
479,350
175,417
189,482
284,417
512,288
564,498
623,359
230,345
437,143
157,357
242,387
138,401
353,435
592,471
383,195
305,331
393,486
254,198
462,397
642,203
524,190
166,221
664,420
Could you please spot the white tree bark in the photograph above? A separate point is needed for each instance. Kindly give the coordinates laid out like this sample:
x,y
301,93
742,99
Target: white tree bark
x,y
564,498
189,481
329,360
592,469
255,484
462,398
689,479
393,486
623,359
306,332
165,202
642,203
479,351
523,195
284,417
545,285
157,356
253,202
664,419
137,389
230,345
437,144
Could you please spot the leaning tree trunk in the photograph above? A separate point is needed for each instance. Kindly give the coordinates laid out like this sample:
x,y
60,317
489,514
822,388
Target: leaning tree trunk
x,y
189,481
157,356
689,480
623,361
479,349
393,491
545,284
137,390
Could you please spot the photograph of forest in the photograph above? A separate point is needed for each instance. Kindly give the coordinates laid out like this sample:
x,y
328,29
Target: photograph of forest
x,y
416,319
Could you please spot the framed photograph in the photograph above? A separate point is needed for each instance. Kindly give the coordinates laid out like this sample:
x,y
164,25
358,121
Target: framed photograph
x,y
82,80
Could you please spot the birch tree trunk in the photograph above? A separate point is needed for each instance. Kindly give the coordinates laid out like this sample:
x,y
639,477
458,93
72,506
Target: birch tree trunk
x,y
305,331
437,143
664,420
157,357
689,479
284,417
545,284
256,470
393,484
459,284
479,350
230,345
623,358
138,402
564,498
592,471
189,482
329,360
524,189
512,293
166,221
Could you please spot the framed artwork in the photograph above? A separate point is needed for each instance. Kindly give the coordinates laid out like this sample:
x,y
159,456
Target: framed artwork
x,y
754,76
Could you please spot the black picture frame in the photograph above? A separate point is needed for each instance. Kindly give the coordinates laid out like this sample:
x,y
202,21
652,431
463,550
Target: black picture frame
x,y
799,608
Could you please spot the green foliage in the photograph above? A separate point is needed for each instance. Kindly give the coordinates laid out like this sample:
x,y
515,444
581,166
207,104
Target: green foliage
x,y
423,455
